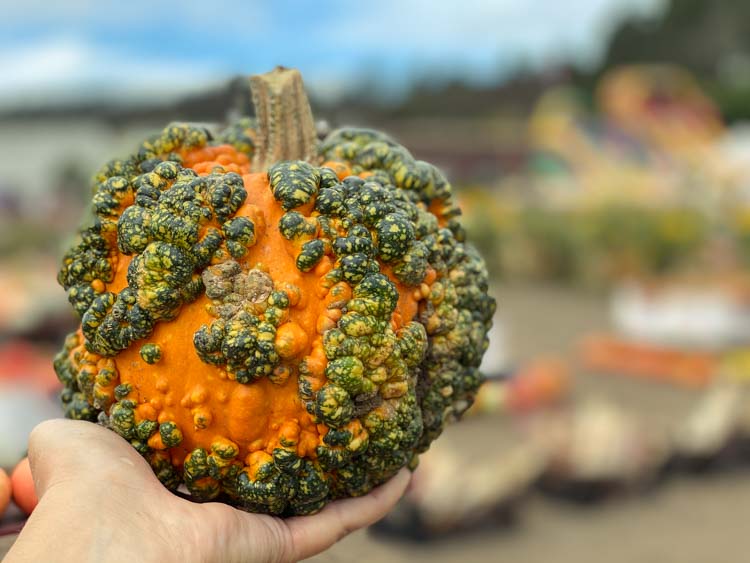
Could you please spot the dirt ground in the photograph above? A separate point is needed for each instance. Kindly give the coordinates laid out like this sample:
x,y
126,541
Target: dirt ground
x,y
687,519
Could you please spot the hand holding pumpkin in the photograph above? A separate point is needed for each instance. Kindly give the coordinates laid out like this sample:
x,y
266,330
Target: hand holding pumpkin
x,y
100,501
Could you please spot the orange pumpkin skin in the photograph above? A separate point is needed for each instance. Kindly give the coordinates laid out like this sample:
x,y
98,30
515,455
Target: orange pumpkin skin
x,y
276,334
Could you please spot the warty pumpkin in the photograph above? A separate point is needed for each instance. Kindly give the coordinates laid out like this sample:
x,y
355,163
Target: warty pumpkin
x,y
271,320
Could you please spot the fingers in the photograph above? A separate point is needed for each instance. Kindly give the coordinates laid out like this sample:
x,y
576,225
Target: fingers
x,y
313,534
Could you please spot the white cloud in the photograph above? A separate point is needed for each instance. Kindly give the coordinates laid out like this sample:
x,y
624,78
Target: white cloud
x,y
480,30
469,39
64,70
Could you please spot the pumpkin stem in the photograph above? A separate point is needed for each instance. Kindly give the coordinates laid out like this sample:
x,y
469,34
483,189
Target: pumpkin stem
x,y
285,126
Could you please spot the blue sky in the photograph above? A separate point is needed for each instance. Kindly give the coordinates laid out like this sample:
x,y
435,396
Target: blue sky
x,y
134,49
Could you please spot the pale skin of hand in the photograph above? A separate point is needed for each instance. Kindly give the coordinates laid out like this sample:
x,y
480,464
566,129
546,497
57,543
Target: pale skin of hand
x,y
100,501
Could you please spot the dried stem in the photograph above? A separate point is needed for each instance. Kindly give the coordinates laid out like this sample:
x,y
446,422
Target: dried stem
x,y
286,130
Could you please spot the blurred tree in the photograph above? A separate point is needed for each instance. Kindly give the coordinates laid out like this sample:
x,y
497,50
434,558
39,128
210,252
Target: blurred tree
x,y
711,38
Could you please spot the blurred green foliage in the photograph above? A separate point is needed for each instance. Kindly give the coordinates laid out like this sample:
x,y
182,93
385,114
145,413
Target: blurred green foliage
x,y
593,246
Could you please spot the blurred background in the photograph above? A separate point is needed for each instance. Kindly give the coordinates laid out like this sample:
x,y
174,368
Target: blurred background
x,y
601,151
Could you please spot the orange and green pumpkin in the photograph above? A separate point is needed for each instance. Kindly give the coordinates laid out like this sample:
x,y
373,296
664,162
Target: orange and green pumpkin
x,y
273,320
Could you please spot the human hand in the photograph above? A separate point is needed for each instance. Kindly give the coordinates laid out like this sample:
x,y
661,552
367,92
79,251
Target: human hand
x,y
100,501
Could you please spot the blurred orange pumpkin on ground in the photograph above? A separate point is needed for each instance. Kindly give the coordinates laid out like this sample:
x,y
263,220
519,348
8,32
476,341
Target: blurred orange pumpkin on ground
x,y
24,493
5,490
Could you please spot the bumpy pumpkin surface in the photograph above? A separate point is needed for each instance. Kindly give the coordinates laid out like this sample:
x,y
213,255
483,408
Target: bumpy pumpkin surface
x,y
272,321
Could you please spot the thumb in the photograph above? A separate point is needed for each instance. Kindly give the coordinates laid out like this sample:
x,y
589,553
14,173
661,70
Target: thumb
x,y
273,539
63,451
313,534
